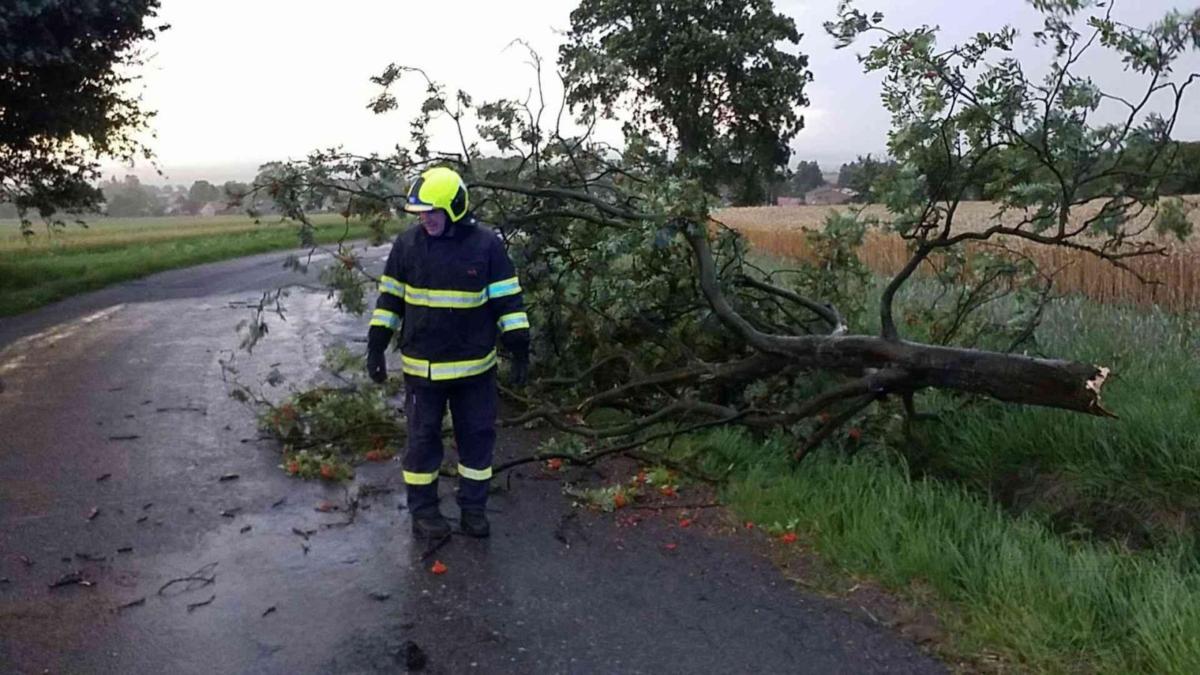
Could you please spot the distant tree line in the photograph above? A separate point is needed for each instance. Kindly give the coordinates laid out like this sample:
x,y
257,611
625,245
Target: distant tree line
x,y
130,198
858,175
866,173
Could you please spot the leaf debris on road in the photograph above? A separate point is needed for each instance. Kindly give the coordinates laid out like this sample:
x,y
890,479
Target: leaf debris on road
x,y
136,603
181,409
205,576
196,605
75,578
95,512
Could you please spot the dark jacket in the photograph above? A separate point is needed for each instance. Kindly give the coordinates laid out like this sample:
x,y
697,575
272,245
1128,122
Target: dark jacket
x,y
453,295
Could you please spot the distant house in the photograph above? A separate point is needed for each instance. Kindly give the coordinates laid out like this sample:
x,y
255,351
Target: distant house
x,y
828,195
789,201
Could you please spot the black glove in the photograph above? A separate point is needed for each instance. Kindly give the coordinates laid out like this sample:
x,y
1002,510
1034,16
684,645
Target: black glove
x,y
377,366
519,375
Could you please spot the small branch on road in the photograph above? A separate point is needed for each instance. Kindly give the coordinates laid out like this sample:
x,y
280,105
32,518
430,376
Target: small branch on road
x,y
136,603
196,605
205,576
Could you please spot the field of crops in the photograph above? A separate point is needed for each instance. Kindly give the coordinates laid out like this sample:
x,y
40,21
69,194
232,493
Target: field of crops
x,y
779,231
105,233
51,265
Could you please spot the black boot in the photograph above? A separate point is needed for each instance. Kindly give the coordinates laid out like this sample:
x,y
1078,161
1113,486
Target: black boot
x,y
430,526
474,524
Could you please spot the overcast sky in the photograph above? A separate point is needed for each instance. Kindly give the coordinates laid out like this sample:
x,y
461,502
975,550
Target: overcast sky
x,y
240,83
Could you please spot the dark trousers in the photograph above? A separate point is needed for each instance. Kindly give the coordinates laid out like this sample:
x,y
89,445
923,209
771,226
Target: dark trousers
x,y
472,404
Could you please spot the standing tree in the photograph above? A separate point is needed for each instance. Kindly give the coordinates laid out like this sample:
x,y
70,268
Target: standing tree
x,y
712,77
807,176
129,198
202,192
1185,179
863,173
64,99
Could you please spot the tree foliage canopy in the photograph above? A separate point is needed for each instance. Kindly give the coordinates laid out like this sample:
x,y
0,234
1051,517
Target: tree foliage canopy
x,y
805,177
862,174
65,100
715,78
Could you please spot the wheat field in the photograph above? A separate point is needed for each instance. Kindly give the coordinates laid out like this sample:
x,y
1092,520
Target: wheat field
x,y
779,231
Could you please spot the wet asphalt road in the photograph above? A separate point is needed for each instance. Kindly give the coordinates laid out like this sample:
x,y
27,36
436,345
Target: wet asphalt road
x,y
114,403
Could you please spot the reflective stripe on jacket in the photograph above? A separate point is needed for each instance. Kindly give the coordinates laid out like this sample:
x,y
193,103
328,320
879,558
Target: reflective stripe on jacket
x,y
452,296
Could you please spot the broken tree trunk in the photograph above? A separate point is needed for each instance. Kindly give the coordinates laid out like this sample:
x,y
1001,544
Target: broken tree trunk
x,y
896,366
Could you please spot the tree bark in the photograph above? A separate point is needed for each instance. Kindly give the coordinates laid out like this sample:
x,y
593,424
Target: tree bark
x,y
1012,378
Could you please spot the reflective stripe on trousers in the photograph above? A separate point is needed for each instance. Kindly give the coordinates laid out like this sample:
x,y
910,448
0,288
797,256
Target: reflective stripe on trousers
x,y
472,404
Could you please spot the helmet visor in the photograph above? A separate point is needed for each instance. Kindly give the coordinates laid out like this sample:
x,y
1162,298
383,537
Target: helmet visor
x,y
414,204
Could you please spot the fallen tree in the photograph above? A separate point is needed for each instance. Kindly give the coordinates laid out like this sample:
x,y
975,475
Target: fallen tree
x,y
652,318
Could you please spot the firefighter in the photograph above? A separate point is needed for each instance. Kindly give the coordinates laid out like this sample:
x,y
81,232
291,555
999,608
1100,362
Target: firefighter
x,y
449,282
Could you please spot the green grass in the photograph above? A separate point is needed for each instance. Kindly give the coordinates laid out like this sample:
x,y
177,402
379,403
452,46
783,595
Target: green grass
x,y
1019,590
53,266
1135,479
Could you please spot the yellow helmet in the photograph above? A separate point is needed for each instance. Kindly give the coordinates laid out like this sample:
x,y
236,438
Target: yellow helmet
x,y
438,188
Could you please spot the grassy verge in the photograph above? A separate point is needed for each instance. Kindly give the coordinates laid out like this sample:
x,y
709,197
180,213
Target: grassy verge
x,y
52,267
1135,480
1039,601
1063,543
